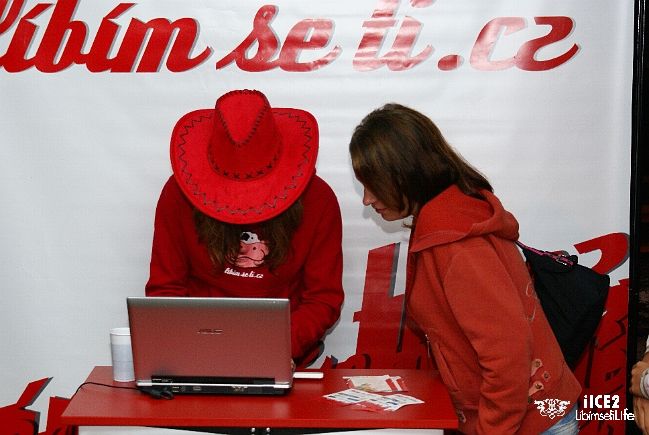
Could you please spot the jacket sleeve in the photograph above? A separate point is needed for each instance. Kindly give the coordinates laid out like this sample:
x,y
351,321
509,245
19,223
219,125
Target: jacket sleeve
x,y
320,296
488,309
169,263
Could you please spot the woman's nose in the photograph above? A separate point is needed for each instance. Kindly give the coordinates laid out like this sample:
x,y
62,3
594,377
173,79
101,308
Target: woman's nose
x,y
368,197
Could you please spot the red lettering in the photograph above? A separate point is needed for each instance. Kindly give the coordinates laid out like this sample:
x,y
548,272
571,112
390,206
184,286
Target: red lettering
x,y
614,248
63,42
268,46
399,57
11,15
14,60
60,26
16,418
384,340
298,39
560,27
146,46
489,35
366,58
603,366
525,57
161,31
97,59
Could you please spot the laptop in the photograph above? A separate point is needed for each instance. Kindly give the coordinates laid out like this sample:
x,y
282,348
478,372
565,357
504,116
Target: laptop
x,y
190,345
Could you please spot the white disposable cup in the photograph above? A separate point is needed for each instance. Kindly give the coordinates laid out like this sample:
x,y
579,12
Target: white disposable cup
x,y
121,354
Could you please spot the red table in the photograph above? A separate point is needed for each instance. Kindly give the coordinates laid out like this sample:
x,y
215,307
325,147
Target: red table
x,y
302,407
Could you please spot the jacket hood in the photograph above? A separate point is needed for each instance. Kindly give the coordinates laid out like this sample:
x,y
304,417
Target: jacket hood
x,y
453,215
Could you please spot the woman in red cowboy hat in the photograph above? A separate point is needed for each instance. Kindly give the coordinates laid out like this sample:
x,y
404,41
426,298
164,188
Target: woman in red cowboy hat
x,y
244,215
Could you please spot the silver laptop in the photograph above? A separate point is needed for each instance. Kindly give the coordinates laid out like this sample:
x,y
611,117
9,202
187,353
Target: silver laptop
x,y
211,345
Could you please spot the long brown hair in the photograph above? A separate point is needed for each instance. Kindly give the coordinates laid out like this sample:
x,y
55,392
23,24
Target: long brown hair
x,y
401,156
223,239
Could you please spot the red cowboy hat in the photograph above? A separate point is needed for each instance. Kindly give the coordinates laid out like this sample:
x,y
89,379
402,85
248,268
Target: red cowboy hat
x,y
243,161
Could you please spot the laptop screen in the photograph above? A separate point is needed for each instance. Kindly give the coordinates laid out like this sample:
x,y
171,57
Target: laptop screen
x,y
211,345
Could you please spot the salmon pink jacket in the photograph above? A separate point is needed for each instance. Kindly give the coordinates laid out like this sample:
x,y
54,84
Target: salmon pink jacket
x,y
470,292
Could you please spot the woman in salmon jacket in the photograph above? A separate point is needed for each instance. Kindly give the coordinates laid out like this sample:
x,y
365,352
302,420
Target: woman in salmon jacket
x,y
468,288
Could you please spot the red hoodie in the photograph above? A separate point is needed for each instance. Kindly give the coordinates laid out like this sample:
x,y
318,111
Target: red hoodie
x,y
470,292
311,277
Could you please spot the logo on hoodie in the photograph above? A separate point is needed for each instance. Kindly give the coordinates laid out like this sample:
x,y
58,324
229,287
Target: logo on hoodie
x,y
552,407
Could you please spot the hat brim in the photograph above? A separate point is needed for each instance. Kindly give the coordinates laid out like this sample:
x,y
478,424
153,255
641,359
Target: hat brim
x,y
244,201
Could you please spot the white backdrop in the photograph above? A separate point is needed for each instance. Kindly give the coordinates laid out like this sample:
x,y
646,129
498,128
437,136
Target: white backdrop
x,y
84,154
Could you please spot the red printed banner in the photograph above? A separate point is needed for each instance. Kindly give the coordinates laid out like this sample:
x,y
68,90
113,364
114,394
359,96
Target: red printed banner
x,y
16,419
533,93
175,43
